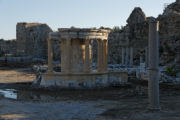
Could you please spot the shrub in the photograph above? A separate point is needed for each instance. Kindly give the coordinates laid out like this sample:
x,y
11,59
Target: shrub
x,y
116,29
102,27
171,70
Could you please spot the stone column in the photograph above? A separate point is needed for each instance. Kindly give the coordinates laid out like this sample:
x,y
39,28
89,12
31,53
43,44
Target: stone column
x,y
123,52
153,84
178,1
87,57
131,56
99,56
68,55
62,53
146,57
105,53
127,56
50,56
178,59
140,59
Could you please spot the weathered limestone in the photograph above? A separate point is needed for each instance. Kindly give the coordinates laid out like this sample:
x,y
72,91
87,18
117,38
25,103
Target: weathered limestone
x,y
146,57
105,53
153,84
80,49
83,80
140,59
127,56
122,56
137,16
87,56
8,46
178,59
68,55
50,56
62,53
75,60
32,39
131,56
169,34
100,56
135,34
178,1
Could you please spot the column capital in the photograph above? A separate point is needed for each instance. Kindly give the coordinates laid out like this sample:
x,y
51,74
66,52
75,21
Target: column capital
x,y
99,39
104,39
87,40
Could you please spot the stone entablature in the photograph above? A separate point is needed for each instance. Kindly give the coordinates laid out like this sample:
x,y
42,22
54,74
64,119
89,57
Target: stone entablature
x,y
77,33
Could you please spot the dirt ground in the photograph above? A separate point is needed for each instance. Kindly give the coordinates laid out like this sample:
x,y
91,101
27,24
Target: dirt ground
x,y
8,75
127,103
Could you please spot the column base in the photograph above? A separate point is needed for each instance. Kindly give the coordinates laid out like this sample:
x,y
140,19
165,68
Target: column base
x,y
154,108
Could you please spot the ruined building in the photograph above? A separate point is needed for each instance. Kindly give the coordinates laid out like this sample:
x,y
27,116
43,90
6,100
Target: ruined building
x,y
169,32
128,46
76,59
32,39
135,35
7,47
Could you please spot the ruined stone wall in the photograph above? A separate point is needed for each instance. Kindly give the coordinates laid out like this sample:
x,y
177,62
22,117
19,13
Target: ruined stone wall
x,y
7,47
134,34
169,32
21,37
32,39
116,41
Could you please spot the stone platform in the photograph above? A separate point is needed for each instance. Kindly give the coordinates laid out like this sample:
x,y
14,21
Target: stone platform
x,y
83,80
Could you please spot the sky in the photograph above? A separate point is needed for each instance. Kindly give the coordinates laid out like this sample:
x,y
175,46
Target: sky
x,y
67,13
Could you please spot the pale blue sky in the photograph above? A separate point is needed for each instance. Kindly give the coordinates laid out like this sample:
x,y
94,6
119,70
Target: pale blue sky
x,y
67,13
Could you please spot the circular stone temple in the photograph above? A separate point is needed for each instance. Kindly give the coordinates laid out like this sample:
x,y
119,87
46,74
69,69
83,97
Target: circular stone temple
x,y
76,47
76,59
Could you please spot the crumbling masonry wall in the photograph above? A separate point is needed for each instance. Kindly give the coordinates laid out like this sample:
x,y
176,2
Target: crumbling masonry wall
x,y
135,34
32,39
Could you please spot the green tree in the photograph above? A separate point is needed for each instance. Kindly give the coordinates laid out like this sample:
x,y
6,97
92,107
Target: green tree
x,y
116,29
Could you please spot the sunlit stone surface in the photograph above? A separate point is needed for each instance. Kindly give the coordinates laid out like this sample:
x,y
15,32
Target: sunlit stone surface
x,y
76,60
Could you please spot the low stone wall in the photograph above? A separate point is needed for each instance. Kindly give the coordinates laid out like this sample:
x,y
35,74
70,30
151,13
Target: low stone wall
x,y
83,80
19,61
